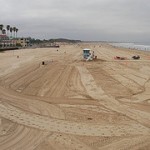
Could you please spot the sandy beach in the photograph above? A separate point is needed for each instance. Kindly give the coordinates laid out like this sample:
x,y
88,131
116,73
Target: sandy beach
x,y
71,104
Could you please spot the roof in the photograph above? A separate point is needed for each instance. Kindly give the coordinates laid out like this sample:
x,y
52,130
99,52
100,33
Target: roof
x,y
3,35
86,49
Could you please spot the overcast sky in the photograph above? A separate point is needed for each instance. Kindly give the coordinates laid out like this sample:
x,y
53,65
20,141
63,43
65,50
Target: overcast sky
x,y
115,20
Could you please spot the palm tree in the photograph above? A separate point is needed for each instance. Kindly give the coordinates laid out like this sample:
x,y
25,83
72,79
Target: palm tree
x,y
3,31
11,29
8,28
14,29
1,27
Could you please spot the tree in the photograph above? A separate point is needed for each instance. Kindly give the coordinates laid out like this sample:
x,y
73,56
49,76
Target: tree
x,y
14,29
17,31
18,45
1,27
11,29
8,28
3,31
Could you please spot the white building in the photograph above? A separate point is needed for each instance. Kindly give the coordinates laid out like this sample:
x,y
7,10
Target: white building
x,y
6,42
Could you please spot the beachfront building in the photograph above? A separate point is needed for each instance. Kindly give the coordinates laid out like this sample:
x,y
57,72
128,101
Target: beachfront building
x,y
5,41
23,42
8,36
9,39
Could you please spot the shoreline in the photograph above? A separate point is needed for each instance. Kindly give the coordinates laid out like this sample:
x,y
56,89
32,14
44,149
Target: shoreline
x,y
139,47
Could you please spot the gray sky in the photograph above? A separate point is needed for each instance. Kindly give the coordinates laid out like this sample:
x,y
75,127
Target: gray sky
x,y
117,20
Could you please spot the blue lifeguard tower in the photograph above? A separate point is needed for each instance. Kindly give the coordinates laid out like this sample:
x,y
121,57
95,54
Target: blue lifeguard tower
x,y
86,53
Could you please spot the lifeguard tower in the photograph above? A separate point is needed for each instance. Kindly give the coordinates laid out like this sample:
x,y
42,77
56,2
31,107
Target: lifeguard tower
x,y
86,53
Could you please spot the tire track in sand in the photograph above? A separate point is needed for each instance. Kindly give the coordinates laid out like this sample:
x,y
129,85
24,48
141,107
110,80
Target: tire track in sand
x,y
109,102
57,125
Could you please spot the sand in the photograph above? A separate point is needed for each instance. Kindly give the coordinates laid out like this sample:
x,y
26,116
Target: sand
x,y
71,104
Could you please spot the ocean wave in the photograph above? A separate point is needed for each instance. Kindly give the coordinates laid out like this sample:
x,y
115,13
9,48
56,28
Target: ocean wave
x,y
132,46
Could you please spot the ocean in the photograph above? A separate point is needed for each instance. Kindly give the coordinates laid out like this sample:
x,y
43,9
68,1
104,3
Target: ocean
x,y
137,46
